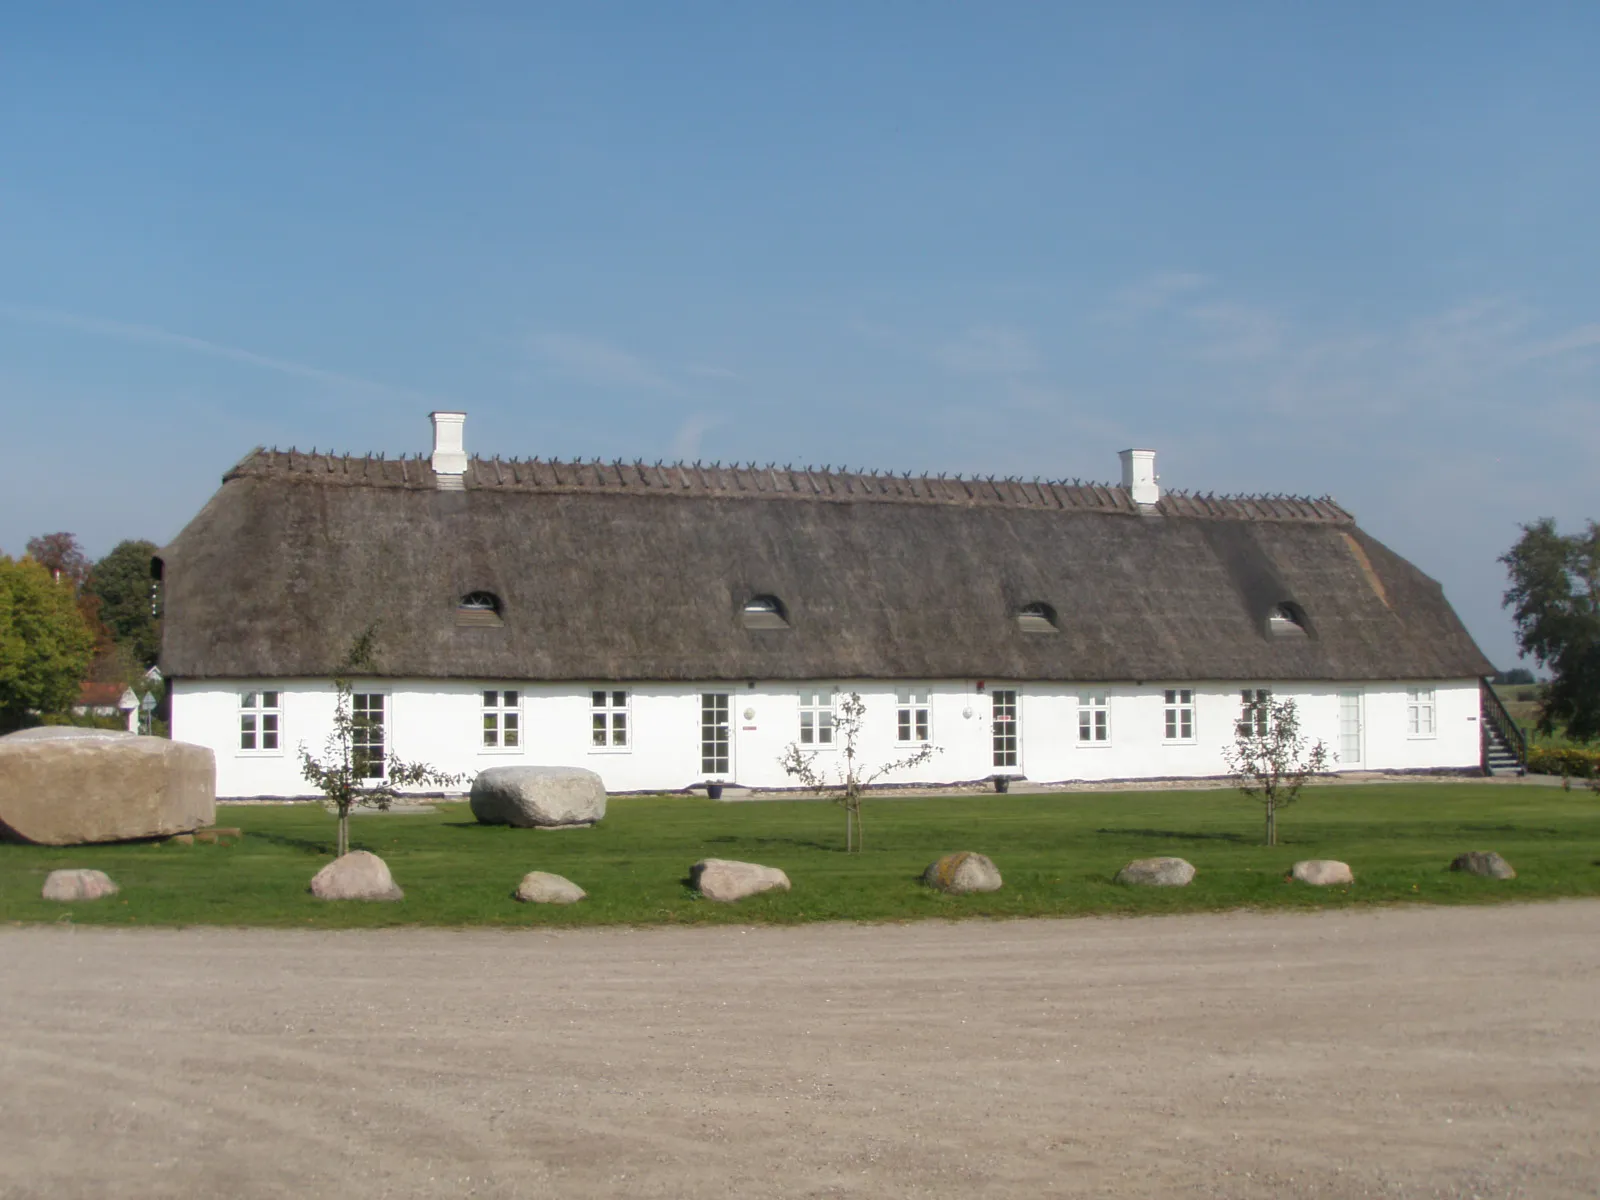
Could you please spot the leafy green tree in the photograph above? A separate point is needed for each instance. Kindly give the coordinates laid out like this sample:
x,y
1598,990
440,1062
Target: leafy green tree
x,y
1555,600
126,592
45,642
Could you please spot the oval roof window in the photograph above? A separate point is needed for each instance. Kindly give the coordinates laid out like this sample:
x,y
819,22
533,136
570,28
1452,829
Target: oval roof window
x,y
479,608
764,612
1037,618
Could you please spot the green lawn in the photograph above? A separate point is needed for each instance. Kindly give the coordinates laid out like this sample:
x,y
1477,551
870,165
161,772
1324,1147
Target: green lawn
x,y
1057,854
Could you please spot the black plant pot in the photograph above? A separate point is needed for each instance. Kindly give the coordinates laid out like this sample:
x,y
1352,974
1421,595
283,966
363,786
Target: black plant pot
x,y
1002,784
714,791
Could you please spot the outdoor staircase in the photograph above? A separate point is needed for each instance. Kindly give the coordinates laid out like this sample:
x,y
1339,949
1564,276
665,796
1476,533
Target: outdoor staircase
x,y
1504,749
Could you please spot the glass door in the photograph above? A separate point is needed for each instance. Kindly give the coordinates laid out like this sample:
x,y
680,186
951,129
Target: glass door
x,y
716,744
1350,748
1007,746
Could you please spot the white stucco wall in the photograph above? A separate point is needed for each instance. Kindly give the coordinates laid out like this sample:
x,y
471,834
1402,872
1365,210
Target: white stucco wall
x,y
440,722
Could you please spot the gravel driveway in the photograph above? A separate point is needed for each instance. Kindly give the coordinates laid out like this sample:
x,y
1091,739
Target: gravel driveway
x,y
1403,1052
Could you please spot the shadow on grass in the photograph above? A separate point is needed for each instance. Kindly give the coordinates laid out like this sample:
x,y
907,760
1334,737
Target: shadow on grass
x,y
734,840
303,844
1176,835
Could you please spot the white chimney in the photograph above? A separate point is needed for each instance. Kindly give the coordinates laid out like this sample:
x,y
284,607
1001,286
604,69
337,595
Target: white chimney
x,y
1139,476
449,458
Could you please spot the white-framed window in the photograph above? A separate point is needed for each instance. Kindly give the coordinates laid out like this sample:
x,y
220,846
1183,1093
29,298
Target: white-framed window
x,y
816,717
1094,719
261,723
609,728
502,719
1255,712
716,738
369,737
1179,715
1420,712
912,727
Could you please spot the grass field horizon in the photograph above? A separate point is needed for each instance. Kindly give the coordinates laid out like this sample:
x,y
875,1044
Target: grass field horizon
x,y
1057,854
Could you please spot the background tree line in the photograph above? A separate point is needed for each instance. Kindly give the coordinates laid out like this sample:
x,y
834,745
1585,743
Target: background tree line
x,y
65,620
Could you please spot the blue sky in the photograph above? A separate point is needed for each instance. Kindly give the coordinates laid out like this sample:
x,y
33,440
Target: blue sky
x,y
1347,249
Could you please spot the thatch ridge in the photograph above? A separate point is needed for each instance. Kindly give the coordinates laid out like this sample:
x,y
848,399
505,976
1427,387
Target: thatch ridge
x,y
771,482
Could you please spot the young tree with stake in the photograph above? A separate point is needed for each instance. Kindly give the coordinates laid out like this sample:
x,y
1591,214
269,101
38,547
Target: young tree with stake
x,y
348,774
1269,760
851,780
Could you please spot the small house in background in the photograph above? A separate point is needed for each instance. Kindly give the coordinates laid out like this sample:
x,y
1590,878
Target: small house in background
x,y
675,625
99,700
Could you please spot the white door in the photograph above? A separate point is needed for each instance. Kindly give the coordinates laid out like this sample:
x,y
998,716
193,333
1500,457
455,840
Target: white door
x,y
1351,750
716,736
1007,738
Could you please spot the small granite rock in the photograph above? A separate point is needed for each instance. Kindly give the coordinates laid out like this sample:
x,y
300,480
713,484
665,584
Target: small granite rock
x,y
1485,863
538,797
541,887
1157,872
1321,872
78,885
961,873
358,875
726,880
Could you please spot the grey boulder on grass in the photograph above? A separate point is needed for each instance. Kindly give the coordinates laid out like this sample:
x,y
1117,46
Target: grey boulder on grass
x,y
961,873
1157,872
64,786
1486,863
78,885
359,875
1322,872
541,887
538,797
726,880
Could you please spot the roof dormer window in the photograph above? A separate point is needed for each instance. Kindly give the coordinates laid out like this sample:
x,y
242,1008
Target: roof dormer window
x,y
1287,620
479,608
764,612
1037,618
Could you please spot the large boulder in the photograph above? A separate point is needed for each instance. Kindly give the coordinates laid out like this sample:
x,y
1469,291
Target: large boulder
x,y
541,887
1485,863
1157,872
359,875
1322,872
961,873
538,797
726,880
78,885
63,786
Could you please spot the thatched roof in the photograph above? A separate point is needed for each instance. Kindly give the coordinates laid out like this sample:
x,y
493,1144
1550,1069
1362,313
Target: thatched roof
x,y
633,572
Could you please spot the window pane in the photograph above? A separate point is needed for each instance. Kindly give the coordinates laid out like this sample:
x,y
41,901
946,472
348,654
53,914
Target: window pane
x,y
903,697
905,725
248,700
491,699
619,699
511,737
619,729
599,735
597,699
922,725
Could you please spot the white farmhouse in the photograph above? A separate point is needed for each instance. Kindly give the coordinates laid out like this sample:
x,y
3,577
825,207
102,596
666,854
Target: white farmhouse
x,y
672,626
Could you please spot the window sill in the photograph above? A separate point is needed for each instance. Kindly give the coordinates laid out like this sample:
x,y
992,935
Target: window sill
x,y
1093,745
502,750
610,749
1422,737
1180,741
260,754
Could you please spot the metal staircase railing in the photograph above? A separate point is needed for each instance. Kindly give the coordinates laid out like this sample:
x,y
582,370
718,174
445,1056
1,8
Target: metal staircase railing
x,y
1497,720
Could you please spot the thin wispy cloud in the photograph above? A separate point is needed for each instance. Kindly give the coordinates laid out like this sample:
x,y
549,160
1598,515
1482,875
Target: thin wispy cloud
x,y
595,361
990,350
1155,294
686,441
150,335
